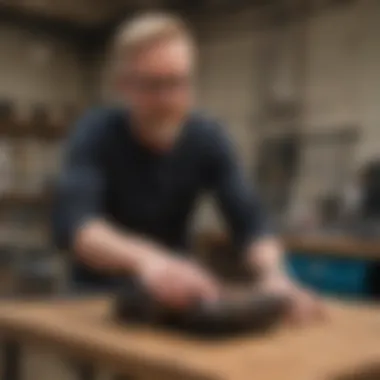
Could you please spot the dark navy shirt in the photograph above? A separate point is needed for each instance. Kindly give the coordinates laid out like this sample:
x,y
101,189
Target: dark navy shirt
x,y
108,173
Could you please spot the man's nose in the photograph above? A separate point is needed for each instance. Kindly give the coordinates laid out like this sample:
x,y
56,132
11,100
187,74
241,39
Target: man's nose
x,y
166,97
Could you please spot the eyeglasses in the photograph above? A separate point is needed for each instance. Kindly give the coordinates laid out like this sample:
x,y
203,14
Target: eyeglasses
x,y
157,85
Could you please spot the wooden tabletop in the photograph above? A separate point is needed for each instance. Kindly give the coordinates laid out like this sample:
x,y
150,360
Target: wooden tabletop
x,y
83,328
343,246
317,243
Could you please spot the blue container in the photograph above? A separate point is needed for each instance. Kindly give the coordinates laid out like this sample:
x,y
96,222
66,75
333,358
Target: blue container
x,y
331,275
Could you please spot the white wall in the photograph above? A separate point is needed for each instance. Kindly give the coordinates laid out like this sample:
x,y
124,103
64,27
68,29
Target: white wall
x,y
227,89
368,81
228,76
342,84
342,76
342,88
39,69
36,69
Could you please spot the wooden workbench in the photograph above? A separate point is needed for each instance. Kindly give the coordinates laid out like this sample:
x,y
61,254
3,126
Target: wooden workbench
x,y
83,330
343,245
342,265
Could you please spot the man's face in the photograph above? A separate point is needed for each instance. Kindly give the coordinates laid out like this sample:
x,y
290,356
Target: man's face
x,y
157,86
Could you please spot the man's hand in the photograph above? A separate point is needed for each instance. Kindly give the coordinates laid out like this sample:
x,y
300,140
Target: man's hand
x,y
177,282
266,258
306,307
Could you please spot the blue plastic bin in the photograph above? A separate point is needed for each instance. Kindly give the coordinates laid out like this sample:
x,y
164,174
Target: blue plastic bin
x,y
331,275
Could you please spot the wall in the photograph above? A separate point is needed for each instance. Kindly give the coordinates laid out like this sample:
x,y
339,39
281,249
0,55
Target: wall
x,y
368,81
87,12
227,87
341,88
36,68
341,81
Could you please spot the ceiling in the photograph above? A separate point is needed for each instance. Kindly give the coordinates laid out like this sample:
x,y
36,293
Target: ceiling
x,y
90,13
98,13
84,20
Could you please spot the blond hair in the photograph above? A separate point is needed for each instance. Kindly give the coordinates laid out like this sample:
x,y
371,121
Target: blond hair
x,y
146,30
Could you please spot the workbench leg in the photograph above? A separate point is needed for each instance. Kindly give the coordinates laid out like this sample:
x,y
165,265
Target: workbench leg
x,y
12,361
86,372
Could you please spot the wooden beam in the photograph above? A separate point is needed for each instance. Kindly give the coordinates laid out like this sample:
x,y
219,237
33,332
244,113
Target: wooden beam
x,y
35,23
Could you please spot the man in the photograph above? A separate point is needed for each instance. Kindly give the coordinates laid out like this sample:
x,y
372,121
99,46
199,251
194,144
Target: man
x,y
133,176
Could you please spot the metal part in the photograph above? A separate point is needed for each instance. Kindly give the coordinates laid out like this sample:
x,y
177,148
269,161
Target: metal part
x,y
11,361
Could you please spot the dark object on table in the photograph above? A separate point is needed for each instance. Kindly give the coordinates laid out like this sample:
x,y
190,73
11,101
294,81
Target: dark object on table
x,y
371,191
373,280
235,313
39,121
6,115
330,209
6,110
369,372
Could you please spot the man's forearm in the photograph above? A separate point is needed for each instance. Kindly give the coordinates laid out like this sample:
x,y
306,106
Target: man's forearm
x,y
266,257
102,246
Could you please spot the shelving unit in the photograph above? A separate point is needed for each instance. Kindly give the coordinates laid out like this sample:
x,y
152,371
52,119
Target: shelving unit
x,y
30,160
32,154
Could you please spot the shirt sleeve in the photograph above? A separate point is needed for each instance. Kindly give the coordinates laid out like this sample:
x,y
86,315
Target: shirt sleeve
x,y
80,190
237,200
